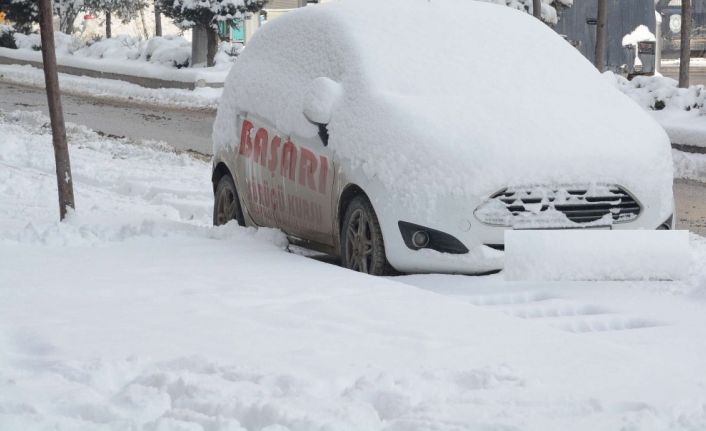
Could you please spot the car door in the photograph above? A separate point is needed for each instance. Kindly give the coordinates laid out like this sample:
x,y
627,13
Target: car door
x,y
308,178
260,182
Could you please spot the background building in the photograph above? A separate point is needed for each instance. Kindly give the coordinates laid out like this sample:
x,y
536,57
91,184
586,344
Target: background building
x,y
578,25
671,28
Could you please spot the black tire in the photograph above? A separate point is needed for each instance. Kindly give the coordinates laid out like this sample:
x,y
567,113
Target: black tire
x,y
226,206
362,245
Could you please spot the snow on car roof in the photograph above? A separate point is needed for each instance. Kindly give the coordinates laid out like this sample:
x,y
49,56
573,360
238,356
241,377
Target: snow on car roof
x,y
447,96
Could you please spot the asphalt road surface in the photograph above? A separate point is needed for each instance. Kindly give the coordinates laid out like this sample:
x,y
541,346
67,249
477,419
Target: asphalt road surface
x,y
184,129
190,130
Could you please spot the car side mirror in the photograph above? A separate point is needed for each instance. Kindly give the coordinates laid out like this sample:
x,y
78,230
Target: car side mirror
x,y
321,99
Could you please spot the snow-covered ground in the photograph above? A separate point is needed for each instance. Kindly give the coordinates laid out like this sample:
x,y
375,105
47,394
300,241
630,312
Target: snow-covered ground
x,y
137,314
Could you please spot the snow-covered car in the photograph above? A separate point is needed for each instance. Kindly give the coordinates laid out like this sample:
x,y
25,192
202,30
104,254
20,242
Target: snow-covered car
x,y
409,135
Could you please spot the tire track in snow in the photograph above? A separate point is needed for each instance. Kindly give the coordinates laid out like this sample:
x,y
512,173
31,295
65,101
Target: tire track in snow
x,y
561,313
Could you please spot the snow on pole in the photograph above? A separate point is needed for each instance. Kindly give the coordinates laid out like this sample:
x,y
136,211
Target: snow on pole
x,y
596,255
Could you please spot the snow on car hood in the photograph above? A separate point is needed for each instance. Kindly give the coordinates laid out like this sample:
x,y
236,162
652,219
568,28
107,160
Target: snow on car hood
x,y
450,97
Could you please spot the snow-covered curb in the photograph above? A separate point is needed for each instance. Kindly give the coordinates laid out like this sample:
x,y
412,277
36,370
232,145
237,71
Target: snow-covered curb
x,y
128,68
199,98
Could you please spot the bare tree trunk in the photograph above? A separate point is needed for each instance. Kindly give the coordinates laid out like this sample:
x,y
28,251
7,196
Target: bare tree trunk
x,y
67,17
157,20
537,9
601,35
61,150
145,31
685,56
108,25
212,47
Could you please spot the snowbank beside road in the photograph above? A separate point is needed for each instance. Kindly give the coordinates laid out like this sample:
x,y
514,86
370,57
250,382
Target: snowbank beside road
x,y
163,58
170,51
163,322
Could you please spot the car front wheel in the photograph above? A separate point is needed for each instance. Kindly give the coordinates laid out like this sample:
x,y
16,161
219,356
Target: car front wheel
x,y
362,246
226,205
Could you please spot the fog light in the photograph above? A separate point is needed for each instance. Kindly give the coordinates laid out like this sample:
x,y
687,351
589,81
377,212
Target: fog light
x,y
420,239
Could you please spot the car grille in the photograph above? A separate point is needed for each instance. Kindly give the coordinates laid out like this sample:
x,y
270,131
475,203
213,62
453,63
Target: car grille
x,y
604,204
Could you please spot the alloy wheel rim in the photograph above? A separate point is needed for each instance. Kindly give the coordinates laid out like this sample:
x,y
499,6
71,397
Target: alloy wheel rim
x,y
226,207
359,242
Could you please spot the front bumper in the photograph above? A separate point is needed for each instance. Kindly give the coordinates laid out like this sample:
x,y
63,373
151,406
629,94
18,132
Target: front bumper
x,y
484,242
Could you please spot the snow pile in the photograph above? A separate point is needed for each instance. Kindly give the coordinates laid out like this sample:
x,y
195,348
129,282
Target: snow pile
x,y
396,111
166,323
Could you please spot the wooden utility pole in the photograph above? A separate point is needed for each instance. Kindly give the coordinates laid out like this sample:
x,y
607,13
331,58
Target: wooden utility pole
x,y
157,20
61,150
601,35
537,9
108,25
685,55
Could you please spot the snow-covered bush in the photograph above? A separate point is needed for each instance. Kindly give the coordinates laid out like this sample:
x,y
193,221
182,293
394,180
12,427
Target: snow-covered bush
x,y
170,51
7,37
228,53
658,92
549,7
65,44
28,41
117,48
